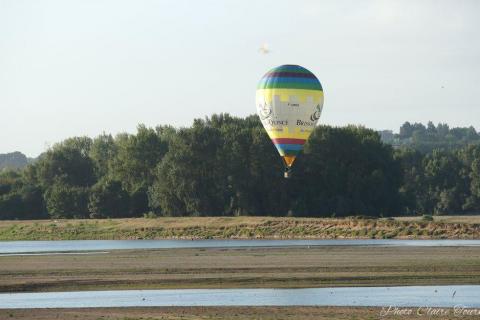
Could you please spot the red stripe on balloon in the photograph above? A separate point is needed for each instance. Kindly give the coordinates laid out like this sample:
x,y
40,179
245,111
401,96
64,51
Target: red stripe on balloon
x,y
288,141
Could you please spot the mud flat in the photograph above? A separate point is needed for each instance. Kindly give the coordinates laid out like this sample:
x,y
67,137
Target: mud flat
x,y
296,267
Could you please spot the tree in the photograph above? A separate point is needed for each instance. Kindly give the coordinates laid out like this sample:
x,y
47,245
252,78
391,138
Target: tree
x,y
64,201
102,152
252,165
19,199
475,177
470,157
346,171
412,189
406,130
446,187
108,200
426,139
67,163
136,157
224,165
9,181
186,178
221,166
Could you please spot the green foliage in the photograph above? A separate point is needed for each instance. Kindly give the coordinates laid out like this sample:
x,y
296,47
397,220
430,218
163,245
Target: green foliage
x,y
68,163
411,165
139,201
9,181
444,183
188,181
64,201
227,166
150,215
108,199
427,217
346,171
134,161
102,151
222,166
18,198
441,182
136,156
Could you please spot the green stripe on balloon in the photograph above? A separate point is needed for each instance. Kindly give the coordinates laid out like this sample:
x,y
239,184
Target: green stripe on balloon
x,y
289,152
289,85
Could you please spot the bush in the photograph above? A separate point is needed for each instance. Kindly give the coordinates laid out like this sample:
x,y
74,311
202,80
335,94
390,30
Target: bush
x,y
427,217
150,215
108,200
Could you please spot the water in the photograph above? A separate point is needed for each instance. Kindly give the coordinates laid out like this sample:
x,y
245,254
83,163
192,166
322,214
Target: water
x,y
76,253
416,296
8,247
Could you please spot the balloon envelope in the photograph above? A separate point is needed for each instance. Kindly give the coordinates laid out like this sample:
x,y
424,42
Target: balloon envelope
x,y
289,103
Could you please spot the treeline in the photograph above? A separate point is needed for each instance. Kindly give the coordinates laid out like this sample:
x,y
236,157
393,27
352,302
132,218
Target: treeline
x,y
224,166
428,138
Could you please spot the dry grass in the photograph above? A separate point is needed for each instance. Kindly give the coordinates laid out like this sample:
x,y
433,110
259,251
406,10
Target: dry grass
x,y
475,219
242,228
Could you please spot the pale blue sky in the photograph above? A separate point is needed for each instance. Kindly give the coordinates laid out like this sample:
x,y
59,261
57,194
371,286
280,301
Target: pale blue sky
x,y
83,67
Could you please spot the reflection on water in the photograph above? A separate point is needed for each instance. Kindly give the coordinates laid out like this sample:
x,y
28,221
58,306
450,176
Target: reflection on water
x,y
416,296
99,245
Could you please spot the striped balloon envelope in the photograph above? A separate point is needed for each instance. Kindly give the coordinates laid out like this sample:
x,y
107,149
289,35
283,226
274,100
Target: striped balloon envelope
x,y
289,103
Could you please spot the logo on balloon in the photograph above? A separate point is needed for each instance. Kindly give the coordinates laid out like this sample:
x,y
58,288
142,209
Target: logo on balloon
x,y
316,114
264,111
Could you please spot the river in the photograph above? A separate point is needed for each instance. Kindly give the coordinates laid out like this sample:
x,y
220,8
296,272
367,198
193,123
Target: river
x,y
413,296
16,247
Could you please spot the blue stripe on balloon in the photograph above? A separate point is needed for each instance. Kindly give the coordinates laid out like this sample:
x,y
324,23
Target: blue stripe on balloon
x,y
289,146
290,68
289,80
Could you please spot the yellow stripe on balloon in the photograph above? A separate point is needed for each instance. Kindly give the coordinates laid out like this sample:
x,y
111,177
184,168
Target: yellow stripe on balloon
x,y
285,94
274,133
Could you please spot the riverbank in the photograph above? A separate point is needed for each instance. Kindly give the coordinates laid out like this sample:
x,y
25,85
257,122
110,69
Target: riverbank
x,y
288,267
231,313
452,227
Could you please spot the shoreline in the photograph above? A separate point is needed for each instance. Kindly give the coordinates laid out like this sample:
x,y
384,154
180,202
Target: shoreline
x,y
237,313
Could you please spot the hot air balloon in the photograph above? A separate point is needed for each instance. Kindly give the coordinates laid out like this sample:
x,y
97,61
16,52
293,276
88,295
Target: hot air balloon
x,y
289,103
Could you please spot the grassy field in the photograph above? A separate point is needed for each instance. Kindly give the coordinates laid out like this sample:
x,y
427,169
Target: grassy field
x,y
242,267
216,313
453,227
